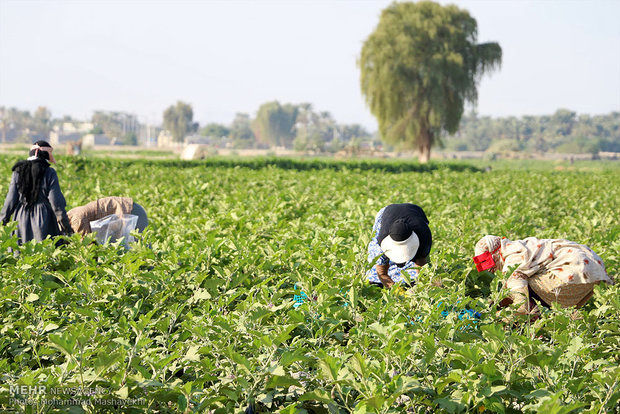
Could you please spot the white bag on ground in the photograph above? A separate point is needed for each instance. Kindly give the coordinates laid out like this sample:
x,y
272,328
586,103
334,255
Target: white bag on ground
x,y
114,227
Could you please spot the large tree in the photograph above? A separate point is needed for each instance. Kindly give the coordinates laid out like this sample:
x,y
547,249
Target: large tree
x,y
275,124
419,67
241,133
178,120
314,130
41,120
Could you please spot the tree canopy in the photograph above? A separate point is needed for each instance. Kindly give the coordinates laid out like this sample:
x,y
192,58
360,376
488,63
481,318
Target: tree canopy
x,y
215,130
274,124
419,67
178,120
240,132
41,120
564,131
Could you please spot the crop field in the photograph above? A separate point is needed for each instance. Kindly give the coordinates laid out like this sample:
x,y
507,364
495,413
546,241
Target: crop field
x,y
200,315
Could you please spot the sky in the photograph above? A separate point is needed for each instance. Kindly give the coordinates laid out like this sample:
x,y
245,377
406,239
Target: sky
x,y
225,57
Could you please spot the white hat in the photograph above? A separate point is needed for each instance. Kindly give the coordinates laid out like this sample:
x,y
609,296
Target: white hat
x,y
400,251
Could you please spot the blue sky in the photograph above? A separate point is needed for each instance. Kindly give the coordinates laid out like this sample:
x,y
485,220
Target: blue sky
x,y
230,56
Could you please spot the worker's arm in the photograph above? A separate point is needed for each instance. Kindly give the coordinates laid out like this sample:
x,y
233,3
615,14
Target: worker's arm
x,y
10,203
382,272
58,203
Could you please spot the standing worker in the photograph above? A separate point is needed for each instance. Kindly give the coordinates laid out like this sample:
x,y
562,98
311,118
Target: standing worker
x,y
34,199
80,217
402,241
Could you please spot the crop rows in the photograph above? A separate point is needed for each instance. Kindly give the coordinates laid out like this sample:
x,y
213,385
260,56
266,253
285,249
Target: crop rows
x,y
199,315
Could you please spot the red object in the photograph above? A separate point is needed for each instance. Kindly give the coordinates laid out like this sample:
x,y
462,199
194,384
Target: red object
x,y
484,261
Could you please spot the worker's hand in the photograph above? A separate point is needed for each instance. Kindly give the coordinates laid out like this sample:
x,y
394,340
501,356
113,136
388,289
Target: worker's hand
x,y
64,225
388,283
382,271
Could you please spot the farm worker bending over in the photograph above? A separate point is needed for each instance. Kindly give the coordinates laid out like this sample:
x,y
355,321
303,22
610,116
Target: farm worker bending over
x,y
402,240
81,217
551,270
34,199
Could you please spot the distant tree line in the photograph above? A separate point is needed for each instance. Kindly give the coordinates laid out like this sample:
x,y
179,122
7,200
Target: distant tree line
x,y
121,126
18,125
300,127
22,126
294,126
564,132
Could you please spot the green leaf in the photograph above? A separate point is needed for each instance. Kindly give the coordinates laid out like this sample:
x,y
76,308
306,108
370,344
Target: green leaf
x,y
64,343
32,297
182,402
494,332
291,409
575,347
316,395
50,327
360,408
281,381
201,294
376,401
105,360
192,354
329,366
240,360
122,392
284,334
450,405
290,357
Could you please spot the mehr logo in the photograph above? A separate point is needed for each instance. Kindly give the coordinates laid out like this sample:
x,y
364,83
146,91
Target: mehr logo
x,y
44,390
28,389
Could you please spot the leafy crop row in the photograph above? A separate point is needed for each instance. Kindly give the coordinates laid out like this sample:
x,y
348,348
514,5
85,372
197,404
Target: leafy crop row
x,y
199,315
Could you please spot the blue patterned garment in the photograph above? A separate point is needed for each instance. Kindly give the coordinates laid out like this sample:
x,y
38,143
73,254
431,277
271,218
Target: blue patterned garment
x,y
374,250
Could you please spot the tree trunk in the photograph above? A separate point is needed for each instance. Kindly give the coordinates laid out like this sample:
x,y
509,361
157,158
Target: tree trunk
x,y
424,147
425,155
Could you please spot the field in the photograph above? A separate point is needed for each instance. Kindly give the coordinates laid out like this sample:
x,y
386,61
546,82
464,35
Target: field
x,y
199,315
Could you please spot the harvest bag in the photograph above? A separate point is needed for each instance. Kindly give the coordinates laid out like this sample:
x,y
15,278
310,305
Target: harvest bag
x,y
114,227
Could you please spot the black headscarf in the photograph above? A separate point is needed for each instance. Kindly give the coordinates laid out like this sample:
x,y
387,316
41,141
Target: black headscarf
x,y
400,220
30,173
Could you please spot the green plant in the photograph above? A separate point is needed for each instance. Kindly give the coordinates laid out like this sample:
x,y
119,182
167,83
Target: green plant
x,y
199,316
